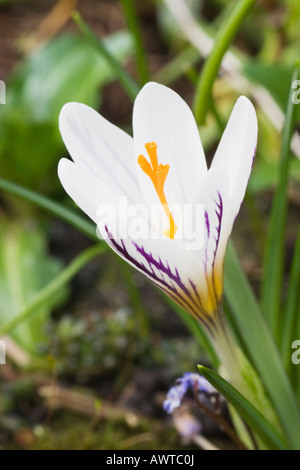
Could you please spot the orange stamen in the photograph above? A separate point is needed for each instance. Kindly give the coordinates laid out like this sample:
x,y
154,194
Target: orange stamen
x,y
158,174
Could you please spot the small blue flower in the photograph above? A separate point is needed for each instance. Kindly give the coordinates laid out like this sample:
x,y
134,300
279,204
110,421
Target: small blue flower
x,y
191,381
174,397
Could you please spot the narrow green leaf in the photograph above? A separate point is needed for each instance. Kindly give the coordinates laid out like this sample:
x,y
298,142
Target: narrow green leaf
x,y
271,294
211,67
129,9
290,319
247,411
129,85
260,345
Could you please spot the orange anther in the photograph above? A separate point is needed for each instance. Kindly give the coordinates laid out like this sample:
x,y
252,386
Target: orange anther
x,y
158,174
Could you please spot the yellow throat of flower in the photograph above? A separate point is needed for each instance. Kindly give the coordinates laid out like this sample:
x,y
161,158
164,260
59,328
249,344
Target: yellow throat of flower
x,y
158,174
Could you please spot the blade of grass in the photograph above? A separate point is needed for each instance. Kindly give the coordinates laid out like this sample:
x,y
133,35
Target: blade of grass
x,y
290,320
260,345
246,410
129,85
271,293
224,38
50,289
132,20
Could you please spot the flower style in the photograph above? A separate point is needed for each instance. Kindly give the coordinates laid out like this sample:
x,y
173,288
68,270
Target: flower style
x,y
163,165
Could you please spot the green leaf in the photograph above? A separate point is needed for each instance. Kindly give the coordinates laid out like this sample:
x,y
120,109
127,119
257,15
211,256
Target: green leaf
x,y
260,345
271,293
46,294
276,78
246,410
264,74
290,319
265,175
98,46
25,267
65,69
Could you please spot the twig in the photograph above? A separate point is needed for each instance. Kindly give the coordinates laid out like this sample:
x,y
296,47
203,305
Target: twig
x,y
79,402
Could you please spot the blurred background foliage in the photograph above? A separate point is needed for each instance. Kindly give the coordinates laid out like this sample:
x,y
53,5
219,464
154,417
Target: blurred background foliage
x,y
108,330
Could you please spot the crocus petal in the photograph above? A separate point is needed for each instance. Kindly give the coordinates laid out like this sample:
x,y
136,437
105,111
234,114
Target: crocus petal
x,y
101,147
86,190
160,115
213,195
105,170
96,197
235,155
168,266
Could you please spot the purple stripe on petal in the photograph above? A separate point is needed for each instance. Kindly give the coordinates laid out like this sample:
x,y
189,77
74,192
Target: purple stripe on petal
x,y
253,158
219,214
170,282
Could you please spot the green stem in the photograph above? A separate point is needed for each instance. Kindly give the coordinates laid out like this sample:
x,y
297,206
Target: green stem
x,y
50,289
210,70
129,85
196,330
134,27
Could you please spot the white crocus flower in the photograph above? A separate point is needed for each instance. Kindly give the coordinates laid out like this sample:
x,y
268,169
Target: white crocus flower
x,y
163,164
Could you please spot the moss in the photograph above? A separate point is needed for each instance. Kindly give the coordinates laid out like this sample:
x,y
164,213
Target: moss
x,y
68,432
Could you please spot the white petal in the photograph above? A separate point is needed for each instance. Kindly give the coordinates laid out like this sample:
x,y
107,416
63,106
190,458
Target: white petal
x,y
160,115
214,197
101,147
168,266
236,152
98,199
86,190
